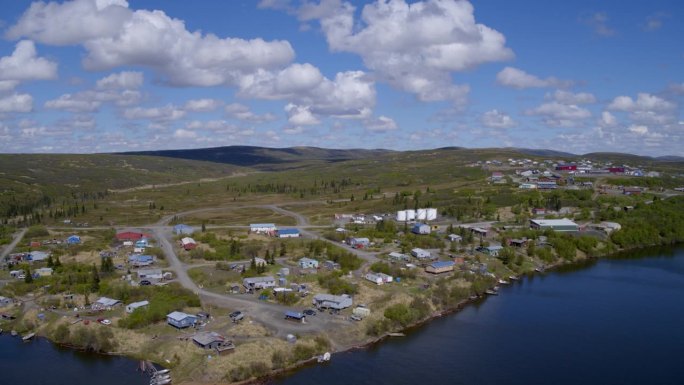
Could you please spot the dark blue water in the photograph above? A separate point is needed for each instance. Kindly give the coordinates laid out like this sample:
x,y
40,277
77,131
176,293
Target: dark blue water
x,y
616,321
41,363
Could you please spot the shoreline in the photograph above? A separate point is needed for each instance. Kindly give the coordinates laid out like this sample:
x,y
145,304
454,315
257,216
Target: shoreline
x,y
282,372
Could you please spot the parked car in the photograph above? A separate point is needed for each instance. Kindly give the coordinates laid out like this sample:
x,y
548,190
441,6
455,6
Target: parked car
x,y
309,312
145,282
104,321
354,317
236,316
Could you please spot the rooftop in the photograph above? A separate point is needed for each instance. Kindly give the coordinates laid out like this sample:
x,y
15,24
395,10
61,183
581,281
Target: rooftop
x,y
554,222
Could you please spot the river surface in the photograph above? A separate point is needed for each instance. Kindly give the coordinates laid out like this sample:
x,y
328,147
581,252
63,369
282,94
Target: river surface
x,y
615,321
39,362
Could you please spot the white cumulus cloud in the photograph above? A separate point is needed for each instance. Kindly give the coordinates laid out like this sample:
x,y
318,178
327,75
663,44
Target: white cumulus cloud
x,y
517,78
168,112
300,115
16,103
243,112
24,64
497,119
567,97
122,80
413,47
202,105
380,124
559,114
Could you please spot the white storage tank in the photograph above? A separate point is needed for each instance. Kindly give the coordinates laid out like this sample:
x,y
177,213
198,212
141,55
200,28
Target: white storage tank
x,y
431,214
401,216
410,215
421,214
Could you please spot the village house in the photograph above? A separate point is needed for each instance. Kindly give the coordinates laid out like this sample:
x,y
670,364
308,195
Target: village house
x,y
454,238
308,263
331,265
395,256
257,283
440,267
539,211
420,229
214,341
517,242
379,278
131,236
554,224
259,261
37,256
358,243
142,243
181,320
295,316
492,251
188,243
287,233
43,272
138,260
130,308
104,303
263,228
151,274
421,254
329,301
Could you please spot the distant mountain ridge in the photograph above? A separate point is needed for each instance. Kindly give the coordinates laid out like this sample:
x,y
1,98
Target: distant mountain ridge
x,y
265,158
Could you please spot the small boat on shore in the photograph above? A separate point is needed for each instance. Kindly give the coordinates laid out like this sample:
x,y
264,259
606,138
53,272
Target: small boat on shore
x,y
28,337
161,381
513,278
503,282
160,372
14,333
396,335
324,358
491,292
539,269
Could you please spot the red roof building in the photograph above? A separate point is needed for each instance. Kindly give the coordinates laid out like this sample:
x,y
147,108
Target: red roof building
x,y
131,236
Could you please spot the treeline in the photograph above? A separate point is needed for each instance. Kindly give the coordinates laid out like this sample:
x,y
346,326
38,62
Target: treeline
x,y
661,222
317,188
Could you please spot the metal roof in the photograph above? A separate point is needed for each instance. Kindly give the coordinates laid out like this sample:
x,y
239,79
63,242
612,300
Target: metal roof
x,y
179,316
441,264
288,231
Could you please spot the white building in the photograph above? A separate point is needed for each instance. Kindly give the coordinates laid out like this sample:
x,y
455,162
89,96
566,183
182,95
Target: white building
x,y
379,278
259,282
130,308
329,301
262,228
421,254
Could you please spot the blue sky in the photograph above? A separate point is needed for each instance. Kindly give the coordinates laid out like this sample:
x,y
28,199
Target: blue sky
x,y
115,75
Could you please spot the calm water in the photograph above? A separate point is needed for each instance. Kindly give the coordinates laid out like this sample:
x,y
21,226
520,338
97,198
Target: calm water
x,y
617,321
41,363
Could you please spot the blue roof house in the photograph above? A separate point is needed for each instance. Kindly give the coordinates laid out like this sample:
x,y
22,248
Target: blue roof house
x,y
142,243
73,240
288,233
181,320
181,229
140,260
421,229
